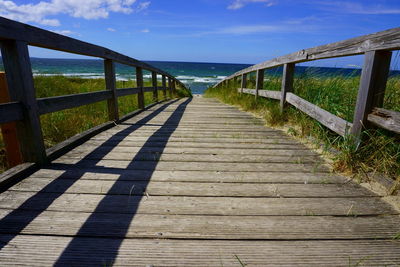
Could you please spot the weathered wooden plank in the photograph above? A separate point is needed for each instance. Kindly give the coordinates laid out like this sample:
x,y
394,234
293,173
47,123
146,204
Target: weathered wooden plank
x,y
259,80
164,86
112,103
194,138
10,112
243,82
270,94
127,91
57,103
45,185
88,148
154,83
183,205
287,82
39,250
139,84
372,88
384,40
131,143
45,250
18,70
202,227
148,89
16,174
192,176
327,119
387,119
116,155
210,166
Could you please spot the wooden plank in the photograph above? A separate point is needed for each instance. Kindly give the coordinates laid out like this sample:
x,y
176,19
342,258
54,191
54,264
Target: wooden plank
x,y
37,250
31,250
327,119
210,166
243,82
127,91
215,145
384,40
202,227
164,86
259,80
287,82
16,174
387,119
192,176
88,148
45,185
139,84
58,103
270,94
18,70
112,103
372,88
148,89
10,112
154,83
184,205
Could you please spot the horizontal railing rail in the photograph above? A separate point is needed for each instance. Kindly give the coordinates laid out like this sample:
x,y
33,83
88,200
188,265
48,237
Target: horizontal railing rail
x,y
22,106
376,49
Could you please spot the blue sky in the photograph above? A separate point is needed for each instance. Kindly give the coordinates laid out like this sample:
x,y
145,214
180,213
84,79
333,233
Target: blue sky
x,y
228,31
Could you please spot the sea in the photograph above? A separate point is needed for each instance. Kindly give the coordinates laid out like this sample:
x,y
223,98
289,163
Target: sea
x,y
196,76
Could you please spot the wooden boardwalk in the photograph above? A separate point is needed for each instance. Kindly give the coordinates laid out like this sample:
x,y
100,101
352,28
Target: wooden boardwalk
x,y
193,182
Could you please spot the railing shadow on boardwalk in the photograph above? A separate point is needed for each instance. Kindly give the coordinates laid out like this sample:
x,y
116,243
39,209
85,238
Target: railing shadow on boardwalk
x,y
42,200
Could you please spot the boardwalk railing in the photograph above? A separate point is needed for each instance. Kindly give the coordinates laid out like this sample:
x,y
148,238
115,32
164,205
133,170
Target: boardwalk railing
x,y
25,109
376,48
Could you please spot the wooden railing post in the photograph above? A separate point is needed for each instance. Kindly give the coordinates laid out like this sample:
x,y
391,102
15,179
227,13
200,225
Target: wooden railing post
x,y
109,75
170,87
164,86
18,70
372,88
174,87
244,82
139,84
154,83
259,81
287,82
9,130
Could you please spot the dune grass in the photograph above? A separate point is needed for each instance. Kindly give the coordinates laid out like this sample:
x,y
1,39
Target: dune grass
x,y
379,153
59,126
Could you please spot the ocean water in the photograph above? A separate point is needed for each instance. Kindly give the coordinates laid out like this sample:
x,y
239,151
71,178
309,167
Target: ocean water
x,y
196,76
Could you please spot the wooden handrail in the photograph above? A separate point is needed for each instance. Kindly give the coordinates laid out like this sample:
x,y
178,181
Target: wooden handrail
x,y
25,109
377,49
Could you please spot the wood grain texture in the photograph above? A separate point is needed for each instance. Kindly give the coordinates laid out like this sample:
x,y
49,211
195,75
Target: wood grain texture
x,y
193,182
372,88
287,82
387,119
58,103
17,65
27,250
334,123
11,112
110,79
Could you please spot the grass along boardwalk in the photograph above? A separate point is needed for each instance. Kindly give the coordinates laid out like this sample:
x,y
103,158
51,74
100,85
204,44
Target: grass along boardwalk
x,y
193,182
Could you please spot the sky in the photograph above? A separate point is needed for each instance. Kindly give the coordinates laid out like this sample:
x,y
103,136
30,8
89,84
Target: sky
x,y
224,31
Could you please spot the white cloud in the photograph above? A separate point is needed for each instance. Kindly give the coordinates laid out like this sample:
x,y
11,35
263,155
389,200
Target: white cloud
x,y
88,9
358,8
65,32
145,30
238,4
111,29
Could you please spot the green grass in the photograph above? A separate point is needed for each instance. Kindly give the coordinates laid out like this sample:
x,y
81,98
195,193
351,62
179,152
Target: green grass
x,y
381,150
59,126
